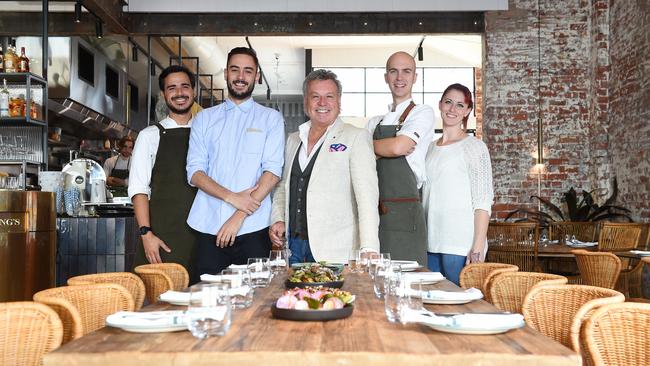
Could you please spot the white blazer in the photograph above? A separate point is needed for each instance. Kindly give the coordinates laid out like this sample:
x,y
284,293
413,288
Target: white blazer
x,y
342,195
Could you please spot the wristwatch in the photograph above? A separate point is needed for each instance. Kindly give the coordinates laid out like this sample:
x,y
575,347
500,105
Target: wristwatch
x,y
144,230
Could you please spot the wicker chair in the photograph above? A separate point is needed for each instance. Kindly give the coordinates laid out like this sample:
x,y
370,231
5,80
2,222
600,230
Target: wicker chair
x,y
621,237
509,289
583,231
558,311
159,278
479,275
514,243
128,280
619,334
84,308
28,330
598,268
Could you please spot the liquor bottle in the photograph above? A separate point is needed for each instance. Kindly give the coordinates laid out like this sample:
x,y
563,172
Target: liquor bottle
x,y
23,63
11,59
2,61
4,100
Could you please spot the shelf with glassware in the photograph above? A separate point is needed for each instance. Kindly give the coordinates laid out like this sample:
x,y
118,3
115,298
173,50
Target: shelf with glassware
x,y
19,175
21,99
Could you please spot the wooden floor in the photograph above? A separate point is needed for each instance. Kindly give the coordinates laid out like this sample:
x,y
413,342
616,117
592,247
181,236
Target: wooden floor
x,y
365,338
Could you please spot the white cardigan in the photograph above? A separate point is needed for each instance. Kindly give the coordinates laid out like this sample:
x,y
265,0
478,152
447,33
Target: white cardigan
x,y
342,195
459,181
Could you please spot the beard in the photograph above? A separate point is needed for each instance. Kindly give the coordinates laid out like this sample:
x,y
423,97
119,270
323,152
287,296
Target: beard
x,y
177,110
243,95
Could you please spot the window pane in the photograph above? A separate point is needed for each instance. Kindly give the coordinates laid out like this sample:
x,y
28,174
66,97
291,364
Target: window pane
x,y
439,78
417,98
432,99
417,86
352,79
377,104
352,104
375,82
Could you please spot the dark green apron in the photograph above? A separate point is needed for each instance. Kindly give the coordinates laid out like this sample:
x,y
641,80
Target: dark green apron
x,y
120,191
402,227
171,200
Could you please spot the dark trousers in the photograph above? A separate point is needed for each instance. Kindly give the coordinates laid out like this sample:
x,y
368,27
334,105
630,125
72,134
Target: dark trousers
x,y
212,259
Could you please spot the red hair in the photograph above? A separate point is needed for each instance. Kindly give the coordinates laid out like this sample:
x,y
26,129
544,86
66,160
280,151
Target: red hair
x,y
468,98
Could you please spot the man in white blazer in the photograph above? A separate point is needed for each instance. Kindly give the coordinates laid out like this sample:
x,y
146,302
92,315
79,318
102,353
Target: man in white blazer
x,y
326,203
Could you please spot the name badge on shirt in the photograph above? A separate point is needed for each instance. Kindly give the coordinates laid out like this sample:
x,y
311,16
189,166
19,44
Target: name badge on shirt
x,y
251,129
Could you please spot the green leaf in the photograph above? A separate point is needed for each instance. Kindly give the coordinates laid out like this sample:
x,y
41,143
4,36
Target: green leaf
x,y
571,200
550,205
313,303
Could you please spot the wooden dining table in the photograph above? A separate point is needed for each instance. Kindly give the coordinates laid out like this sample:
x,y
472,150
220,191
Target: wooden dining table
x,y
365,338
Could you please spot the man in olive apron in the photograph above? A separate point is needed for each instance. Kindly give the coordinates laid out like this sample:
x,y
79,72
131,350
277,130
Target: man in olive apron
x,y
401,139
157,186
117,168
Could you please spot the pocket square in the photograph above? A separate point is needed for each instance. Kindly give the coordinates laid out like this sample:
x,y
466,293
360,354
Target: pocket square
x,y
337,147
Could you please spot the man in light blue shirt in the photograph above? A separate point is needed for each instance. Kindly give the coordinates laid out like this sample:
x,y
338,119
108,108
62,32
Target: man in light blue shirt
x,y
235,158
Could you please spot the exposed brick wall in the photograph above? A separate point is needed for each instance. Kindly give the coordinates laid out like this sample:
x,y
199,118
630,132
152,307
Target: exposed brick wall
x,y
593,94
629,112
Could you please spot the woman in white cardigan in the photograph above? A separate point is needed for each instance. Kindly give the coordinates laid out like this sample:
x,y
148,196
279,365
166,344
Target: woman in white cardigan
x,y
458,195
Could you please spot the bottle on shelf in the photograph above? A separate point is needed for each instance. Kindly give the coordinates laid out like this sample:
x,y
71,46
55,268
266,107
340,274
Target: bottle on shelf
x,y
23,61
2,61
4,100
11,58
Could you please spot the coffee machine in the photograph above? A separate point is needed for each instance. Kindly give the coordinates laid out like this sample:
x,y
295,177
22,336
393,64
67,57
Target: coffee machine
x,y
87,177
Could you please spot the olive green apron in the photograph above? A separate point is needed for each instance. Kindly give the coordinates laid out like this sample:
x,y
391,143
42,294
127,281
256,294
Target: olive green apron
x,y
120,191
402,227
171,200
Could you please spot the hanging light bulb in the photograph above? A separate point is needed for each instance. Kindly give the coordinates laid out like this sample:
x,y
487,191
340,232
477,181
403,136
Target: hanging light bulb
x,y
99,29
77,12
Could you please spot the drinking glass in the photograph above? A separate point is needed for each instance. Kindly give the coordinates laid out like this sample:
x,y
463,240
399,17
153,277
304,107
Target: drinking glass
x,y
278,261
209,310
241,291
378,278
409,294
376,258
354,265
392,292
260,272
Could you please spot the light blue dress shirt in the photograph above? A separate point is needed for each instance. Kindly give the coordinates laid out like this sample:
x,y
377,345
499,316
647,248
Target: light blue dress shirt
x,y
234,144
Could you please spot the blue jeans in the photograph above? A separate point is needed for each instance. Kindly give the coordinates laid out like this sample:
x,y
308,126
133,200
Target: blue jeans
x,y
300,250
449,265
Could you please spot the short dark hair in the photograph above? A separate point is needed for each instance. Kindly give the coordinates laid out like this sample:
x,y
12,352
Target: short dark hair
x,y
243,51
124,140
173,69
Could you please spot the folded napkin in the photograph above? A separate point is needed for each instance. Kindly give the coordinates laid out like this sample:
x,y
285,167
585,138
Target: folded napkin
x,y
178,297
424,276
238,266
467,320
469,294
578,243
146,319
641,253
278,263
407,264
220,278
549,241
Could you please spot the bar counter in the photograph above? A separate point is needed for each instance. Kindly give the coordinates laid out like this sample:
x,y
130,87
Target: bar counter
x,y
365,338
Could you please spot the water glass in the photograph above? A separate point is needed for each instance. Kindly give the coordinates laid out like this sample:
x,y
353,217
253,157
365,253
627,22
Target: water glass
x,y
376,258
241,291
260,272
209,310
392,292
410,294
278,261
354,263
378,278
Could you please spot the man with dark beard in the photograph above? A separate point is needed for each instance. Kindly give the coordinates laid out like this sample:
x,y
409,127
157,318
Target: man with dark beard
x,y
157,186
235,158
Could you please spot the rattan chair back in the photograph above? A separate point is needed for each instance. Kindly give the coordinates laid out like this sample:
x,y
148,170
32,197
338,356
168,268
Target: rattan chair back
x,y
557,311
583,231
162,277
619,237
128,280
619,335
28,330
479,275
84,308
509,289
514,243
598,268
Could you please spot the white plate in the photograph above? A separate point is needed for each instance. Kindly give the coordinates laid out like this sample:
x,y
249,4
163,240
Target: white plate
x,y
466,330
174,302
425,279
145,328
447,302
407,266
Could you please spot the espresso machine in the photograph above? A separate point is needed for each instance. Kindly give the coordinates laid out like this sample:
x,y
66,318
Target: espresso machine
x,y
88,178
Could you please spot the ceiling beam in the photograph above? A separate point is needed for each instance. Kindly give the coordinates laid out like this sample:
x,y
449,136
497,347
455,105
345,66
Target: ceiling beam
x,y
238,24
110,12
59,24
